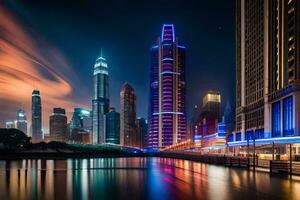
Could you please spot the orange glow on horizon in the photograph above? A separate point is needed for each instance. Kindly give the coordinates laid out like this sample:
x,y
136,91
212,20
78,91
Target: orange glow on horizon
x,y
27,63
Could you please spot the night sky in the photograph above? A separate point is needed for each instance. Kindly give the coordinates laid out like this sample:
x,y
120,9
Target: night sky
x,y
126,30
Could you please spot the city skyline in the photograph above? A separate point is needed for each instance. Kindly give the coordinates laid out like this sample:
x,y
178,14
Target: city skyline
x,y
159,99
78,72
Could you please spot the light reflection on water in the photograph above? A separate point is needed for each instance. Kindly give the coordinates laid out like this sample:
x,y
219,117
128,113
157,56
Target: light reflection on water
x,y
137,178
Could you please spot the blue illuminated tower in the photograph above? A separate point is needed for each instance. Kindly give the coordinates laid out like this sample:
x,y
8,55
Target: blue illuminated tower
x,y
167,115
100,102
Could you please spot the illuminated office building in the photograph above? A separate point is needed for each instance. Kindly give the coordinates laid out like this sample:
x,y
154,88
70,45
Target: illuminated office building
x,y
167,112
58,125
100,102
21,122
36,117
268,70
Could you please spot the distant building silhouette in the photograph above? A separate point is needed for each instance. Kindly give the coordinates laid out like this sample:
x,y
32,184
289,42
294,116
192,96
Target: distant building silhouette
x,y
36,119
58,125
142,129
21,122
112,119
80,126
9,124
128,116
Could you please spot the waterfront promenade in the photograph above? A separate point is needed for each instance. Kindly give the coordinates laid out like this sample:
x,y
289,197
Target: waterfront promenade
x,y
249,163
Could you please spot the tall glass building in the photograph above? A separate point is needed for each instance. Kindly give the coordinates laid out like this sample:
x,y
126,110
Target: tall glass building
x,y
36,110
112,119
100,102
167,114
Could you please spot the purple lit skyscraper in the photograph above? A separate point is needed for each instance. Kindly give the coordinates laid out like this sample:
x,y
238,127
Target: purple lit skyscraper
x,y
167,117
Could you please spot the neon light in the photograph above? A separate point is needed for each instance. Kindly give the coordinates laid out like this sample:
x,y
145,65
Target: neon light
x,y
281,140
179,46
100,71
173,32
102,64
161,113
100,58
171,59
162,73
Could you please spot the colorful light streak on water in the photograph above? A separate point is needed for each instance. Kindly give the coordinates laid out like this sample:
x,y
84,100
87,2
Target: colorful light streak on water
x,y
138,178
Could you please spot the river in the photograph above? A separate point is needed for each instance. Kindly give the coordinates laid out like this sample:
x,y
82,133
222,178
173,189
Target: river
x,y
138,178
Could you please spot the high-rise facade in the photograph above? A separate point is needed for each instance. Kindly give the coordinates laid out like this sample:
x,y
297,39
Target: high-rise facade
x,y
100,102
21,122
36,117
112,119
142,129
268,69
167,110
128,116
58,125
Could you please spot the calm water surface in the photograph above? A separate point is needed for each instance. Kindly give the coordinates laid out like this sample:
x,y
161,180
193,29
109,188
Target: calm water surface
x,y
137,178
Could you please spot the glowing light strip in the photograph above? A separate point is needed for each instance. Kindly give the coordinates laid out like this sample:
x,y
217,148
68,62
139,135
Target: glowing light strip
x,y
295,139
169,73
100,71
167,59
101,58
173,32
161,113
179,46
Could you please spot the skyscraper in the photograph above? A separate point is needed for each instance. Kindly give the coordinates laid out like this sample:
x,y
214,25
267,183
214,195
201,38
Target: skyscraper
x,y
100,102
36,109
112,119
58,125
21,122
167,114
128,116
142,129
268,69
